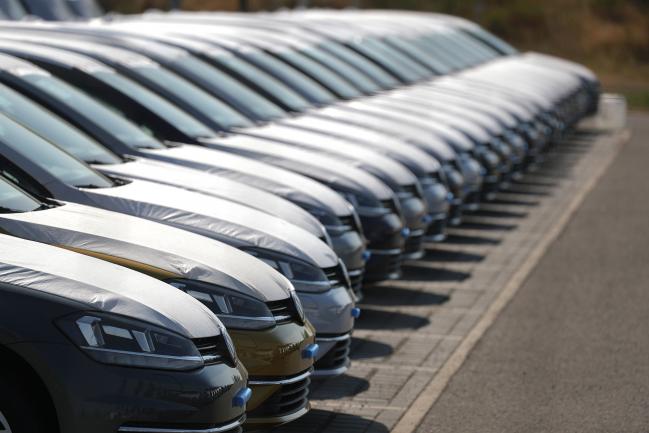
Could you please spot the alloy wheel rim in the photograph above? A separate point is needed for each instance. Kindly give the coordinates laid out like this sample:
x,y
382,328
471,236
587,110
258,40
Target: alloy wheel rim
x,y
4,425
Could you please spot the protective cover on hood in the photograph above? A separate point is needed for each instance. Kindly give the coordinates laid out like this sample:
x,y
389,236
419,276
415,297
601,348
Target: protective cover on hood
x,y
325,169
217,186
388,145
283,183
213,217
412,133
178,252
104,287
385,168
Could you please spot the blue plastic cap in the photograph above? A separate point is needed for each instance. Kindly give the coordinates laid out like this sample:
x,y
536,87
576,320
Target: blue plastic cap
x,y
311,351
367,255
356,312
426,219
450,197
405,232
242,397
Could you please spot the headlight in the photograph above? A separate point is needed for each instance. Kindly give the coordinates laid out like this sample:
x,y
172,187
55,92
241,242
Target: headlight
x,y
116,340
236,310
304,276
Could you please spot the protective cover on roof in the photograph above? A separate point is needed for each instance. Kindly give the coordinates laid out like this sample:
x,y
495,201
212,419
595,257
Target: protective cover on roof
x,y
102,286
265,176
178,252
213,217
218,186
380,142
326,169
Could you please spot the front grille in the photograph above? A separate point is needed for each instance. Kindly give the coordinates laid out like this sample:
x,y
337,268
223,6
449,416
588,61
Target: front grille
x,y
336,276
349,221
414,244
337,357
285,401
390,204
214,350
412,189
283,311
356,280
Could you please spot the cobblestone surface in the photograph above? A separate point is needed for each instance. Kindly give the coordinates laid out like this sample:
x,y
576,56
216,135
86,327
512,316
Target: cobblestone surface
x,y
410,327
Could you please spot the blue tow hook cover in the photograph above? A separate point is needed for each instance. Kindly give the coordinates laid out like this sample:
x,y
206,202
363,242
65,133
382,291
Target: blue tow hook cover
x,y
242,397
405,232
367,254
356,312
311,351
427,219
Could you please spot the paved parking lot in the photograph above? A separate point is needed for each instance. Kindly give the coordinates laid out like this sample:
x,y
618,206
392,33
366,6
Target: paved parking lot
x,y
415,332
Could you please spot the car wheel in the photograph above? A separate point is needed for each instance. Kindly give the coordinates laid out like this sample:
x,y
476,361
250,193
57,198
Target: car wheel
x,y
20,413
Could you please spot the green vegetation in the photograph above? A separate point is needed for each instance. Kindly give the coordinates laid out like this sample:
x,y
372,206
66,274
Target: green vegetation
x,y
609,36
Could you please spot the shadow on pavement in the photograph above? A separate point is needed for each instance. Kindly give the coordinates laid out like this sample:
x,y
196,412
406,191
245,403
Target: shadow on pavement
x,y
511,202
319,420
419,271
380,319
474,225
363,348
459,239
498,213
338,387
391,294
452,256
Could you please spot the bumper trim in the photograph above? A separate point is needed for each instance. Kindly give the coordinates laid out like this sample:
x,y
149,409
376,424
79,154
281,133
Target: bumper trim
x,y
279,420
286,381
333,372
225,428
335,339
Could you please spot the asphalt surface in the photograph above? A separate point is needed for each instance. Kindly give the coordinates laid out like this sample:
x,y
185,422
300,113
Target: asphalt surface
x,y
570,353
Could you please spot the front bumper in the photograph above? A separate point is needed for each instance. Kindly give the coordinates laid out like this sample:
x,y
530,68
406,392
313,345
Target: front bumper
x,y
335,360
85,391
273,358
415,213
386,244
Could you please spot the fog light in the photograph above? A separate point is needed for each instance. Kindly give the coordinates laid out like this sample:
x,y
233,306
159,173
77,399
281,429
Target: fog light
x,y
311,351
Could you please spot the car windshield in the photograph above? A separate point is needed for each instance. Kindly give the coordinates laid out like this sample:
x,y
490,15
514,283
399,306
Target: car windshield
x,y
319,73
267,82
53,128
361,63
94,111
155,103
12,9
388,59
53,10
50,158
411,49
233,90
219,113
343,69
312,90
13,200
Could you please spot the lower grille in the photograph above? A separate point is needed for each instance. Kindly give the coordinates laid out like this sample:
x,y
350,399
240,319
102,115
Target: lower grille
x,y
288,399
414,245
337,357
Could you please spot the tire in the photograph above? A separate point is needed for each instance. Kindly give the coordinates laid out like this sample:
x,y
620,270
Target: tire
x,y
20,412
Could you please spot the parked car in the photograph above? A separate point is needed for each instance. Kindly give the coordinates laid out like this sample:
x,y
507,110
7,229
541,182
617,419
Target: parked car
x,y
80,336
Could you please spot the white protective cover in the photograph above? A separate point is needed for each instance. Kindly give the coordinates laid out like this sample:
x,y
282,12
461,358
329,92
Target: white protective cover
x,y
427,137
378,141
235,224
344,150
328,170
182,253
104,287
217,186
264,176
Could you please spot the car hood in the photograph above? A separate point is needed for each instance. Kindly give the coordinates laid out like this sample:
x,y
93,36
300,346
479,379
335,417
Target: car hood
x,y
276,180
388,145
326,169
217,186
388,170
213,217
104,287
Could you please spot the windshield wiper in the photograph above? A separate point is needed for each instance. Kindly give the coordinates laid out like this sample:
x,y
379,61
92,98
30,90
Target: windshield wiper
x,y
9,210
88,186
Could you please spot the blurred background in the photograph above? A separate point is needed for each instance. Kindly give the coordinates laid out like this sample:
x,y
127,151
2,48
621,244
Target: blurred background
x,y
610,36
